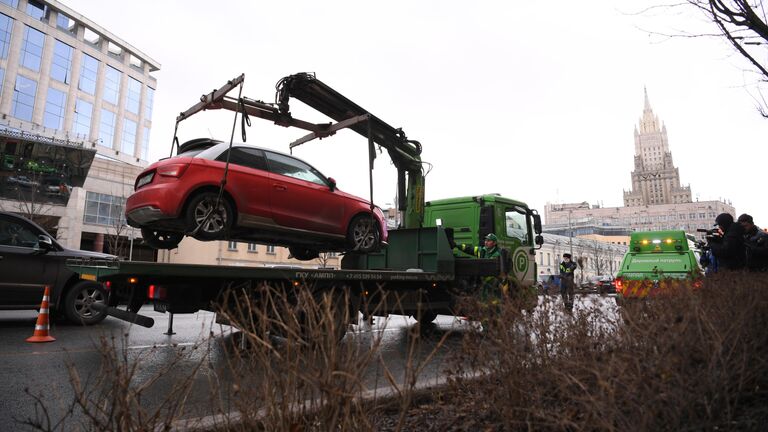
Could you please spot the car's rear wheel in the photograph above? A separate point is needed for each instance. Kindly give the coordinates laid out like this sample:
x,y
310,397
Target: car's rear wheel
x,y
79,301
363,233
158,239
303,254
205,219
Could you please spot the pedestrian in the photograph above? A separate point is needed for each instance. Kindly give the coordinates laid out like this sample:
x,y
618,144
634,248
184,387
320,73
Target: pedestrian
x,y
727,245
755,244
567,267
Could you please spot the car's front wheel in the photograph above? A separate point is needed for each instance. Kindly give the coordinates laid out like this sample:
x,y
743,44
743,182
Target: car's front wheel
x,y
79,301
303,254
207,220
161,239
363,234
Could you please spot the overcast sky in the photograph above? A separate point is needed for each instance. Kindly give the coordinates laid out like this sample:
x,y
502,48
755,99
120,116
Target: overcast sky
x,y
536,101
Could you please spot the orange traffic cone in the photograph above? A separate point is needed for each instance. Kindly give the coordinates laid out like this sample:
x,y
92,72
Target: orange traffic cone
x,y
41,328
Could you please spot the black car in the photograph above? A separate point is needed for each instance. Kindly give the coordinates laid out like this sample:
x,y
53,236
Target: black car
x,y
30,259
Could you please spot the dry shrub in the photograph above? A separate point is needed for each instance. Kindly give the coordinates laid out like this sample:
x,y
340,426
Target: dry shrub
x,y
114,398
292,370
682,361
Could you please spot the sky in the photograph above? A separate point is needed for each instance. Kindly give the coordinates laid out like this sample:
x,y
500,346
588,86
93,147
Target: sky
x,y
535,101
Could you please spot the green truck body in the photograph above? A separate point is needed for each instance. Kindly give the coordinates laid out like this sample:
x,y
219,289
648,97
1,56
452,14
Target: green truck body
x,y
654,260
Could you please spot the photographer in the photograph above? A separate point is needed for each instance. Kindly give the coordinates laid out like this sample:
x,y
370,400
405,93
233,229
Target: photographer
x,y
727,244
756,243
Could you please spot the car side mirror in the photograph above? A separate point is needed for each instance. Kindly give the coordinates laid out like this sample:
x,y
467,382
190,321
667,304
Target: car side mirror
x,y
331,184
44,243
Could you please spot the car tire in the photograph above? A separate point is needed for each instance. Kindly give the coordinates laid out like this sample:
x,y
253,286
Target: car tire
x,y
78,300
157,239
217,225
303,254
363,233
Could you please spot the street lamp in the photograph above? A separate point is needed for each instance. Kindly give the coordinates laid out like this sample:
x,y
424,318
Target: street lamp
x,y
570,232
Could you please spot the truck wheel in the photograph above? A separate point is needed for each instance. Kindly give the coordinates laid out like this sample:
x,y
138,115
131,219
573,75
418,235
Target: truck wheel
x,y
161,239
303,254
214,223
78,301
426,317
363,233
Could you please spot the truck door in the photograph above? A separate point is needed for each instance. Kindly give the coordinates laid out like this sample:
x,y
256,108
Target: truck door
x,y
518,232
302,197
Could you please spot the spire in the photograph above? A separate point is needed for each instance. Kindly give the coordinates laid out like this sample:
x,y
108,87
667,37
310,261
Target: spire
x,y
647,102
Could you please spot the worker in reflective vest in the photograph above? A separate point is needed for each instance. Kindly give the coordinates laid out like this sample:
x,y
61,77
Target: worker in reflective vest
x,y
567,267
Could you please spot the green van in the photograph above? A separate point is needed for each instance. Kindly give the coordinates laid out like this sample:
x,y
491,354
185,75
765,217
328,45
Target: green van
x,y
656,261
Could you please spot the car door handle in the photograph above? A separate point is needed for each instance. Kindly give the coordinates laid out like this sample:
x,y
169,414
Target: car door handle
x,y
280,187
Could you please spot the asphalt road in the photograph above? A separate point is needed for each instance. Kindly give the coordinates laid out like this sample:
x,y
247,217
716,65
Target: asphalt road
x,y
45,370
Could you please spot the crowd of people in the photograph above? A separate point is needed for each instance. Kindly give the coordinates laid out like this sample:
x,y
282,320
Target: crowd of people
x,y
735,246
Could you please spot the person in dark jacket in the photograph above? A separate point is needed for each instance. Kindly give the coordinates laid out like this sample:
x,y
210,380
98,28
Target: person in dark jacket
x,y
756,244
567,267
728,248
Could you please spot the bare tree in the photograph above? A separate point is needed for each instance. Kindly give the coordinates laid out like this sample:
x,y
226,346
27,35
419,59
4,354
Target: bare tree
x,y
598,252
31,202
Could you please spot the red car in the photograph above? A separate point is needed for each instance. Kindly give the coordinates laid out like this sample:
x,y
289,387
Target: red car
x,y
269,197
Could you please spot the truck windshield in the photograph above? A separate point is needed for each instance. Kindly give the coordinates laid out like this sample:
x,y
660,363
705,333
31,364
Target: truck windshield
x,y
517,225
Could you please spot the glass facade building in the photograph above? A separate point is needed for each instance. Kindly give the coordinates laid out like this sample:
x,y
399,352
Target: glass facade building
x,y
75,118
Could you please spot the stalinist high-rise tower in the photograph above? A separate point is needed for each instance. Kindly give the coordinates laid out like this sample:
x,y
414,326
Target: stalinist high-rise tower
x,y
655,179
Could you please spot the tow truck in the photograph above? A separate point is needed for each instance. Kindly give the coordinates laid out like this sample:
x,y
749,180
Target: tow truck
x,y
418,267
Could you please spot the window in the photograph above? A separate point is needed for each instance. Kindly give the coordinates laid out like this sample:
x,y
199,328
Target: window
x,y
24,98
61,67
232,246
245,156
517,224
111,84
103,209
13,233
114,49
136,62
54,109
702,216
149,100
32,49
6,24
88,71
271,250
692,215
83,114
107,128
145,144
252,247
66,23
129,137
12,3
90,36
134,96
288,166
36,9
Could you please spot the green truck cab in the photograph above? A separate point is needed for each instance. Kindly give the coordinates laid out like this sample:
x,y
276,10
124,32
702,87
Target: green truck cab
x,y
654,262
517,227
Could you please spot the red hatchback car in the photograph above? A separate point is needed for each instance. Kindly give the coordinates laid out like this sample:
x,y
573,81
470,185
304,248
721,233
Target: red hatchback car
x,y
269,197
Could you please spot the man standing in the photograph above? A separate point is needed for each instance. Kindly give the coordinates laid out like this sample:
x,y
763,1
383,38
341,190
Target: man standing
x,y
756,244
567,267
728,247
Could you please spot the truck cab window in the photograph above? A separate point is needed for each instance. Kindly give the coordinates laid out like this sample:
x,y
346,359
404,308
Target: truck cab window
x,y
517,225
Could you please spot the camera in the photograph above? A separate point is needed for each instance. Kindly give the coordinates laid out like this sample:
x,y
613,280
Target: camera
x,y
713,234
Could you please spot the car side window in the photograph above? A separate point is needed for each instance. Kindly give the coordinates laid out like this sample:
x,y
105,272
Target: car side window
x,y
247,157
517,225
288,166
13,233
